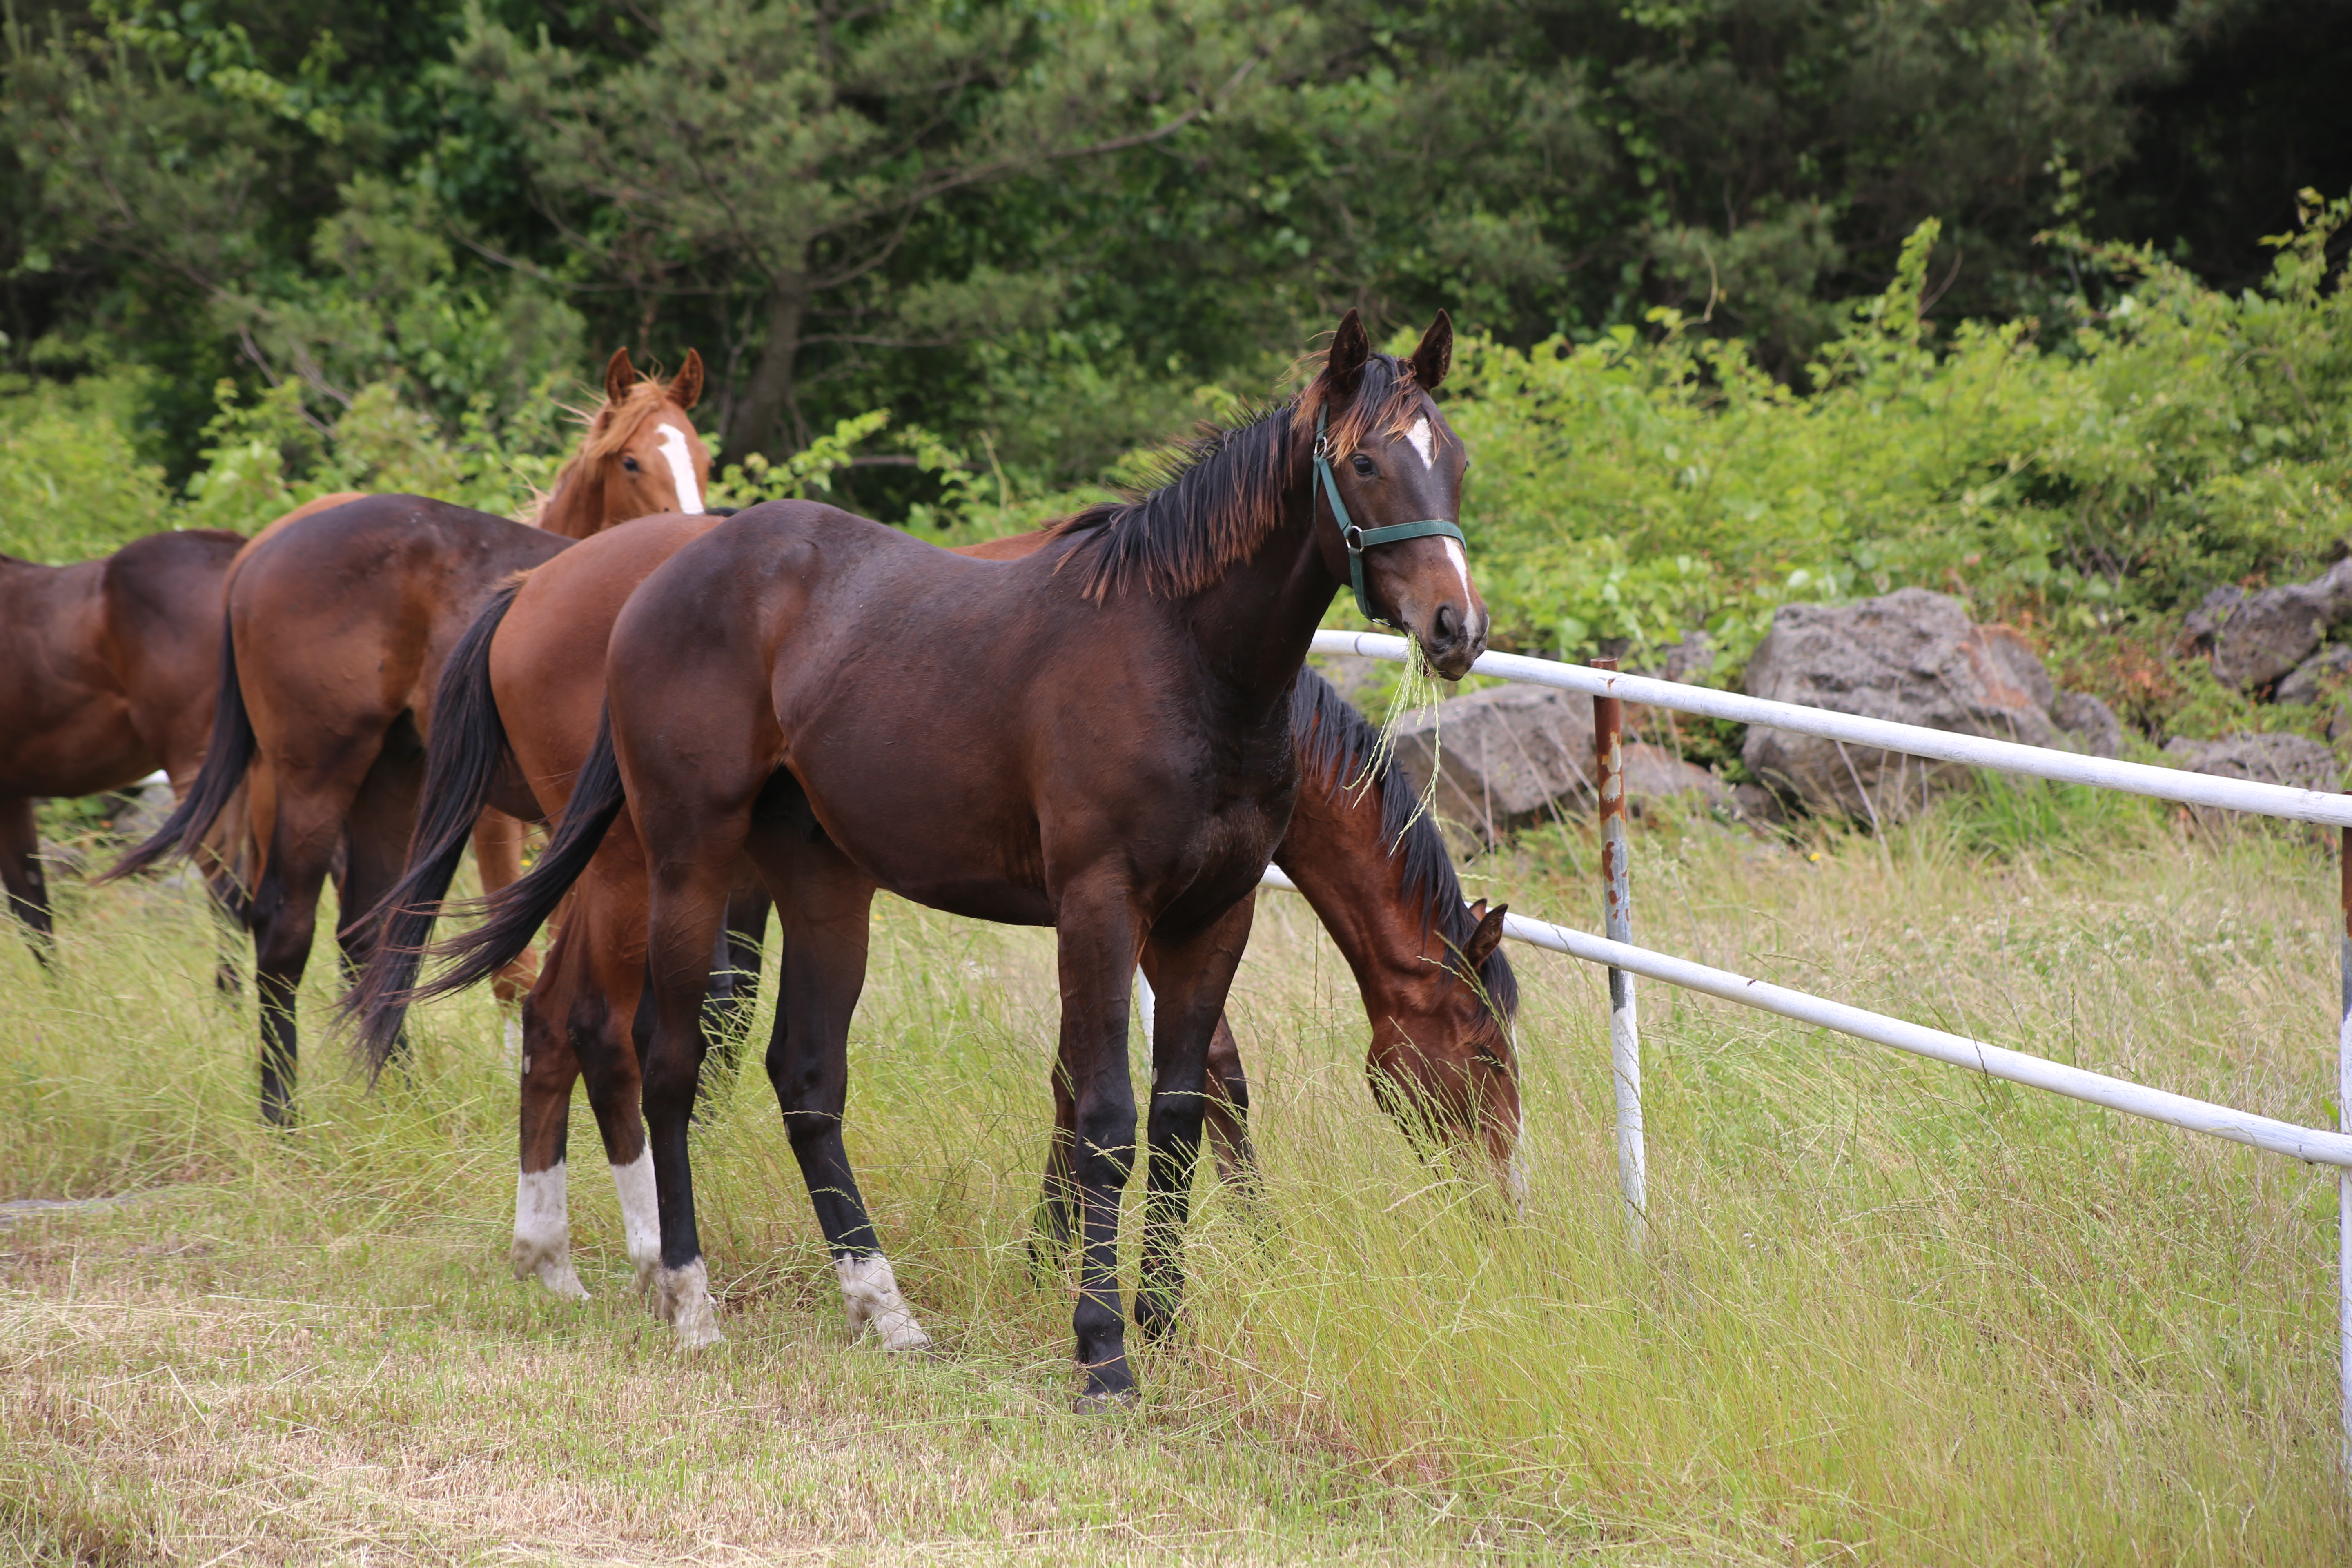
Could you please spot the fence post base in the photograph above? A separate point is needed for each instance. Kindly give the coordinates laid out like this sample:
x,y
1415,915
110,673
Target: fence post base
x,y
1617,920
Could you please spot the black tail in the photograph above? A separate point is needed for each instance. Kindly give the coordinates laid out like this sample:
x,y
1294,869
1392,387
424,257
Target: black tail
x,y
462,763
226,756
514,914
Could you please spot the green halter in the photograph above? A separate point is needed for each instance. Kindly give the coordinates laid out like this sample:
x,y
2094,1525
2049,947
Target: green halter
x,y
1359,540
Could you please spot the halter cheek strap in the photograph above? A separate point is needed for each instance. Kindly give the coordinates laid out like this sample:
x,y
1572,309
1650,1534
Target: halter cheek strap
x,y
1359,540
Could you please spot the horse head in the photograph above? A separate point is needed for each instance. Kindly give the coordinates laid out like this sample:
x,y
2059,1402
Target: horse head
x,y
640,455
1388,473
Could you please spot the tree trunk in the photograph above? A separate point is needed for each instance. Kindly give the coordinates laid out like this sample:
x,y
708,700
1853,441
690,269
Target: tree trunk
x,y
758,418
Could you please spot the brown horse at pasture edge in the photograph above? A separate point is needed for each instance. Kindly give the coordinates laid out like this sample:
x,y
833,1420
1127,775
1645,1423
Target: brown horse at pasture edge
x,y
1095,737
337,629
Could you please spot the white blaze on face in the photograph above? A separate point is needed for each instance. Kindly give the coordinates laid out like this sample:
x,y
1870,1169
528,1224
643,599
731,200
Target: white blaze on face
x,y
1424,442
675,447
1461,566
640,1216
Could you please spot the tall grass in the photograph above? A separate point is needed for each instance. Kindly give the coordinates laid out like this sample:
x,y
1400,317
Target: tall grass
x,y
1889,1312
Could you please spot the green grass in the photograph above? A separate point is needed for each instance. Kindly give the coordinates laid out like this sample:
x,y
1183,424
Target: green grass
x,y
1890,1313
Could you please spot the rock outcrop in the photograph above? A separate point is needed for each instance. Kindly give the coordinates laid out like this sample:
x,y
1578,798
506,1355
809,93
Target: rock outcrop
x,y
1912,657
2255,637
2295,760
1517,756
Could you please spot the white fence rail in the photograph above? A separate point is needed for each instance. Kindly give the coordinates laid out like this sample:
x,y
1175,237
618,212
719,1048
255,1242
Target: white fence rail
x,y
1622,958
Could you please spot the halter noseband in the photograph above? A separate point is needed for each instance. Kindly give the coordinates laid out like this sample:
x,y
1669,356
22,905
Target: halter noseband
x,y
1359,540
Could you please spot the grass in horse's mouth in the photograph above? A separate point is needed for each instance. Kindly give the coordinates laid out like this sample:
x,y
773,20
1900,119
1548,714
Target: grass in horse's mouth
x,y
1416,688
1891,1314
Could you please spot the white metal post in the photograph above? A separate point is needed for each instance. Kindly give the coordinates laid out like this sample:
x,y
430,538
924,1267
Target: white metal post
x,y
2344,1174
1617,921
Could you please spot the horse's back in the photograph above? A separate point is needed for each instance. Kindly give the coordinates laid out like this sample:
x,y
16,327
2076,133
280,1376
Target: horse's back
x,y
342,618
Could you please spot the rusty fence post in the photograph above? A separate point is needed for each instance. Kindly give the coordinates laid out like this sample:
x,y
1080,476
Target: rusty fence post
x,y
1617,925
2344,1174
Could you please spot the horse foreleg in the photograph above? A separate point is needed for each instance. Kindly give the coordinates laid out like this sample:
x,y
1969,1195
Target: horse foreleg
x,y
1225,1112
1098,935
497,858
20,873
1191,979
1057,1205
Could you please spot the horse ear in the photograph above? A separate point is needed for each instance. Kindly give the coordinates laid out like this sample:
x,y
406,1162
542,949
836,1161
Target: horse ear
x,y
619,375
1350,347
687,390
1487,938
1477,911
1434,357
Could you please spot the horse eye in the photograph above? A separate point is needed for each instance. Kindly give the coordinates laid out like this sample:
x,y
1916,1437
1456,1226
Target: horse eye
x,y
1364,465
630,464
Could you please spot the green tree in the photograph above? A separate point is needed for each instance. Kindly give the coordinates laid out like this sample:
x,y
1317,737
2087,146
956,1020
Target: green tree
x,y
771,159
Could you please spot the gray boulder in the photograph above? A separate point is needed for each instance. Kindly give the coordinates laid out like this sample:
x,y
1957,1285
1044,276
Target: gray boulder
x,y
1912,657
2295,760
2256,636
1513,756
2309,680
2089,724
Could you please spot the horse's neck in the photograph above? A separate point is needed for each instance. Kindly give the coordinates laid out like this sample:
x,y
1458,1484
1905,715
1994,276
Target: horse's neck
x,y
1253,628
1338,855
576,510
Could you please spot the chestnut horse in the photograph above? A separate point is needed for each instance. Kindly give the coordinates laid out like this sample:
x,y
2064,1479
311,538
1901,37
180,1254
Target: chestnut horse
x,y
106,678
1098,738
337,626
518,708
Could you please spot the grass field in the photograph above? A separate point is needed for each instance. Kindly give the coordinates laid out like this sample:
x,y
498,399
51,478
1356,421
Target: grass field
x,y
1891,1313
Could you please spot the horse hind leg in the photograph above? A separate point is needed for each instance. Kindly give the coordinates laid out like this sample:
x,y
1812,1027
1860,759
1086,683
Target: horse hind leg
x,y
543,1226
821,908
26,885
734,990
497,858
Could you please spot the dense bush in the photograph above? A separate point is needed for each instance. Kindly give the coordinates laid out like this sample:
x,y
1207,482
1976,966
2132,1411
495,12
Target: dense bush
x,y
2085,475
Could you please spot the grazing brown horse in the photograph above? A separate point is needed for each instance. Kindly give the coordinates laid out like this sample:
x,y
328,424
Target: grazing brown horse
x,y
338,627
1098,738
106,678
518,706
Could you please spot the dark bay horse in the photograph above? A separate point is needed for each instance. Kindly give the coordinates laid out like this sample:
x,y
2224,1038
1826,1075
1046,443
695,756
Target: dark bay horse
x,y
337,626
1098,738
518,710
106,678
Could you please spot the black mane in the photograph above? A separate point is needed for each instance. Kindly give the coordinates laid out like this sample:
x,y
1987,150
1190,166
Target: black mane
x,y
1336,744
1221,493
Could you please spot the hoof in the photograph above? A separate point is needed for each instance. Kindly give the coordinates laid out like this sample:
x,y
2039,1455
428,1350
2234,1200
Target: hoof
x,y
869,1289
1107,1401
682,1298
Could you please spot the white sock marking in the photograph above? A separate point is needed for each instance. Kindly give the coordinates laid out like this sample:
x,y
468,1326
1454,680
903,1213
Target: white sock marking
x,y
1423,441
640,1215
870,1290
681,468
542,1233
682,1297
